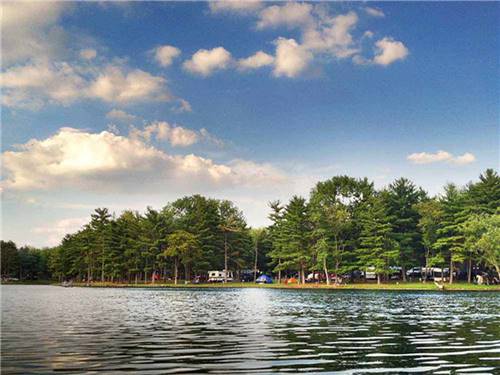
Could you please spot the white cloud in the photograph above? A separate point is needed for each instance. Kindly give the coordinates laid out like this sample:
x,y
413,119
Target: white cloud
x,y
323,37
466,158
291,15
88,53
29,30
118,114
441,157
112,128
115,84
182,106
206,136
41,82
105,161
205,62
333,35
235,6
166,54
56,231
389,51
368,34
374,12
176,135
291,58
256,61
33,84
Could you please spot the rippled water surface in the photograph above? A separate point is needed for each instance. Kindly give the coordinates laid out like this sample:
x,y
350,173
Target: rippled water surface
x,y
80,330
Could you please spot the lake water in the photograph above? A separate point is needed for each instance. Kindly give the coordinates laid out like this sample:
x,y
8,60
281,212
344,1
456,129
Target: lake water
x,y
227,331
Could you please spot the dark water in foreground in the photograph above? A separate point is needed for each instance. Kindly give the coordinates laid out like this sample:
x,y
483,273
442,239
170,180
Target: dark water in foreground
x,y
77,330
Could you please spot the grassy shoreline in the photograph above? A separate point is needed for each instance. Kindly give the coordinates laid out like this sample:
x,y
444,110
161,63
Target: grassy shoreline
x,y
410,286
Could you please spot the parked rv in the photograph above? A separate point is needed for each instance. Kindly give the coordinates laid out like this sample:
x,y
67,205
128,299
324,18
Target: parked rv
x,y
370,274
315,277
396,273
414,273
247,275
220,276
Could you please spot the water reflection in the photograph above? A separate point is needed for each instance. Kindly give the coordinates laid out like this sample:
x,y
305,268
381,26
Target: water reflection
x,y
46,329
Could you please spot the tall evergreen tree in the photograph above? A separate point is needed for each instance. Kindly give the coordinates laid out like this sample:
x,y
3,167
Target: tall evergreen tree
x,y
100,225
450,240
377,248
277,252
430,212
484,195
401,198
297,236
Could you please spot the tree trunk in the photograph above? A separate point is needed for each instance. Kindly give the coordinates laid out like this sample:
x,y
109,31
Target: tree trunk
x,y
136,278
225,257
403,269
187,274
378,279
176,270
469,271
279,276
88,272
255,262
451,271
326,272
302,275
102,265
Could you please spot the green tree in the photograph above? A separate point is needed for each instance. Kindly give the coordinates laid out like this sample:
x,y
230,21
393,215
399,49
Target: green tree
x,y
184,248
235,234
276,236
334,205
10,259
261,246
450,240
377,248
200,216
401,199
296,235
482,236
99,223
484,195
431,213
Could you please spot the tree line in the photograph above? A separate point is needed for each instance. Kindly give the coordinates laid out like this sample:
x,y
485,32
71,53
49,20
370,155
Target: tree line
x,y
345,225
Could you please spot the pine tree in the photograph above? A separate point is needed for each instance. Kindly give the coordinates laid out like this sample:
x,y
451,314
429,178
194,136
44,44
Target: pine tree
x,y
430,212
377,247
484,195
296,235
401,198
450,240
277,251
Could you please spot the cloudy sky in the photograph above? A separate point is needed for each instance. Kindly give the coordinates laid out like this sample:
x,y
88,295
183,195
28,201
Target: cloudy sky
x,y
126,105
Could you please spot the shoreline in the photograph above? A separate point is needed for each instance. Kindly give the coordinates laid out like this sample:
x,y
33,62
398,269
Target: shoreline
x,y
408,286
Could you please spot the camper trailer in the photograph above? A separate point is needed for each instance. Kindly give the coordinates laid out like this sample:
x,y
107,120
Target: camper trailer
x,y
220,276
370,274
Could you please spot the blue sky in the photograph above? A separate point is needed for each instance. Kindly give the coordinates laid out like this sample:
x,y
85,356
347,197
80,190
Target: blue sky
x,y
136,104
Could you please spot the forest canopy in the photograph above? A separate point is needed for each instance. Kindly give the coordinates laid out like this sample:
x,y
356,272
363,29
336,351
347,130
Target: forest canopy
x,y
344,225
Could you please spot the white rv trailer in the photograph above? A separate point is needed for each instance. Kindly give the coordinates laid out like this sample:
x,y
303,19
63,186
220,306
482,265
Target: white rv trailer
x,y
219,276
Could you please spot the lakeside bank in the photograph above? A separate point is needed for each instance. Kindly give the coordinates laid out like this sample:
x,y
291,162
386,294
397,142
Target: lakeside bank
x,y
410,286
